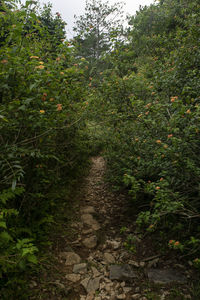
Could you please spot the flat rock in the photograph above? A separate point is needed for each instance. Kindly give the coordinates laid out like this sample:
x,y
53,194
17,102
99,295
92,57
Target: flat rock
x,y
88,210
71,258
84,282
136,296
165,276
127,289
134,263
121,296
73,277
109,258
90,242
122,272
80,268
87,231
96,273
90,296
90,221
93,284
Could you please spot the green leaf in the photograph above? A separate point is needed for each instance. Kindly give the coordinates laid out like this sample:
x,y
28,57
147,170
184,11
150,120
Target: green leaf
x,y
32,258
3,224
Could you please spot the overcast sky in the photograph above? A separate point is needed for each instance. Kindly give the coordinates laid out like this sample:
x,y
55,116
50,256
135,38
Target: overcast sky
x,y
69,8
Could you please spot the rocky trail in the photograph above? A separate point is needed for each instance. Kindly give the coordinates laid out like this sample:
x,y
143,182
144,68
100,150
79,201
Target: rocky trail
x,y
106,257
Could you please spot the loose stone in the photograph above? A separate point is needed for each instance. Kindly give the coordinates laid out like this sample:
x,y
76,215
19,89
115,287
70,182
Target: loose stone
x,y
165,276
109,258
71,258
123,272
73,277
80,268
90,221
90,242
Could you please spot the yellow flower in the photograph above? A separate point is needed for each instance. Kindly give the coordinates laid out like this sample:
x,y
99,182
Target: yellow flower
x,y
62,73
42,111
41,62
188,111
36,57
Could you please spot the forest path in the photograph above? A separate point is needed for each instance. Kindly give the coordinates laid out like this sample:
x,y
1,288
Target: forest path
x,y
105,258
100,268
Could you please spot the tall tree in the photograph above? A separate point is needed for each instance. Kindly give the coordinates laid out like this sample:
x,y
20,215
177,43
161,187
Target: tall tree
x,y
96,30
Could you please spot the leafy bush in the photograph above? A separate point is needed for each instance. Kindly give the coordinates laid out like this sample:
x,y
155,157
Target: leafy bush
x,y
151,92
42,118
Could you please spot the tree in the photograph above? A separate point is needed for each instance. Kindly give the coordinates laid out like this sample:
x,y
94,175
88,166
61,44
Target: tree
x,y
97,29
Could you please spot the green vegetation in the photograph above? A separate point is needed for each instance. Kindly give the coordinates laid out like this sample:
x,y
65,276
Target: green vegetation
x,y
43,109
141,106
150,94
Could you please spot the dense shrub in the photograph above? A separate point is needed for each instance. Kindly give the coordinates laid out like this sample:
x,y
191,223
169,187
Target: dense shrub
x,y
151,93
42,118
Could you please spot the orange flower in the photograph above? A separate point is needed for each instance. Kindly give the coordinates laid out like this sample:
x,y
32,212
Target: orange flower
x,y
174,98
171,242
161,179
4,61
147,106
188,111
158,188
59,106
153,93
62,73
146,113
42,111
58,59
41,67
169,136
177,243
158,141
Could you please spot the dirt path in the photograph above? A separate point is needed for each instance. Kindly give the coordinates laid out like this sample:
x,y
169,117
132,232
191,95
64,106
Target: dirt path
x,y
105,258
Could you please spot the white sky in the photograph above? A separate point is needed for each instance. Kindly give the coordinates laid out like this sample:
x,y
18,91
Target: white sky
x,y
69,8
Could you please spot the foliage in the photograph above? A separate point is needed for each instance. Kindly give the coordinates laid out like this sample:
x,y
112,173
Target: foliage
x,y
96,31
42,120
150,95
